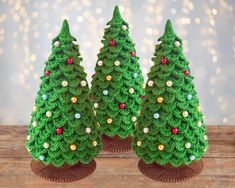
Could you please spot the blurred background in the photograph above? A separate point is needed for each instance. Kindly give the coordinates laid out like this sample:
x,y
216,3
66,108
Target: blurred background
x,y
206,27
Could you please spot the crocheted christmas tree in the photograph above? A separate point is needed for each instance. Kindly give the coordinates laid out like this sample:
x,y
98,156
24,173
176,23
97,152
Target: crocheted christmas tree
x,y
62,129
170,129
118,81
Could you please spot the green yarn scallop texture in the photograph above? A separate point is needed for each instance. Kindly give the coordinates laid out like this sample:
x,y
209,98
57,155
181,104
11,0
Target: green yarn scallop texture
x,y
168,115
125,76
63,111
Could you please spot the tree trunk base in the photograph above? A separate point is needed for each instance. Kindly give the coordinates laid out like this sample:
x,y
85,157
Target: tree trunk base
x,y
170,174
116,144
63,174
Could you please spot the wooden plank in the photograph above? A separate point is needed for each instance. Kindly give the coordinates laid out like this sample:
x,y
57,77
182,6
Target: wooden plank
x,y
215,132
221,132
216,149
118,172
13,132
110,181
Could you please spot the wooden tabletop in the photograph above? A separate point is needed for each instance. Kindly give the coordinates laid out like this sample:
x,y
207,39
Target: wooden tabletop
x,y
118,170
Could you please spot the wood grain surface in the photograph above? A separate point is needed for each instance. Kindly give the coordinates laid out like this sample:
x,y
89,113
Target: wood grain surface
x,y
118,170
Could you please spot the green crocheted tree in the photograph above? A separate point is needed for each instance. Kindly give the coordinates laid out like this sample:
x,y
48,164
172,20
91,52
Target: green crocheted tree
x,y
170,129
62,129
118,81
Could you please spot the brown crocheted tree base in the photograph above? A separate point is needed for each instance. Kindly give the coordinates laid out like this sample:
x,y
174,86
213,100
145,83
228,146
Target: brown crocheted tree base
x,y
168,173
63,174
116,144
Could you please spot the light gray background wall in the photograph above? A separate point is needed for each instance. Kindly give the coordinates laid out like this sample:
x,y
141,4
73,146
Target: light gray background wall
x,y
207,27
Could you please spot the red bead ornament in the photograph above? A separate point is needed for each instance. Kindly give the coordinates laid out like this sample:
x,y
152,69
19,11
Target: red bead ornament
x,y
47,73
70,60
174,130
91,98
122,106
132,54
112,42
164,60
186,72
142,97
59,130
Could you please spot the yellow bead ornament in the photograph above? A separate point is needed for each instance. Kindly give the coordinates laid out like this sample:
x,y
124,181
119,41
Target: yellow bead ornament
x,y
139,143
160,147
94,143
74,99
109,120
73,147
108,77
160,100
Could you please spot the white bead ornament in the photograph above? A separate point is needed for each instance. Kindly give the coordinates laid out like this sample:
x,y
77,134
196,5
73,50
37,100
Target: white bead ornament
x,y
34,124
150,83
117,63
131,90
28,137
124,27
100,63
83,83
96,105
46,145
199,123
88,130
56,43
48,114
205,137
187,145
64,83
185,114
133,118
169,83
177,43
146,130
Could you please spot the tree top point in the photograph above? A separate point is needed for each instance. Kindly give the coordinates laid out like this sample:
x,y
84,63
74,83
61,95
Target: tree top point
x,y
65,28
169,28
116,13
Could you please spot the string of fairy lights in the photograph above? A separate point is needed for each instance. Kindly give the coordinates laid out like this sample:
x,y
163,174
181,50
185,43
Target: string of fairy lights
x,y
23,21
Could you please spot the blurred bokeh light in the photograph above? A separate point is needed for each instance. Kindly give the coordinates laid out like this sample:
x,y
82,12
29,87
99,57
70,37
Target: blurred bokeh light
x,y
206,27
